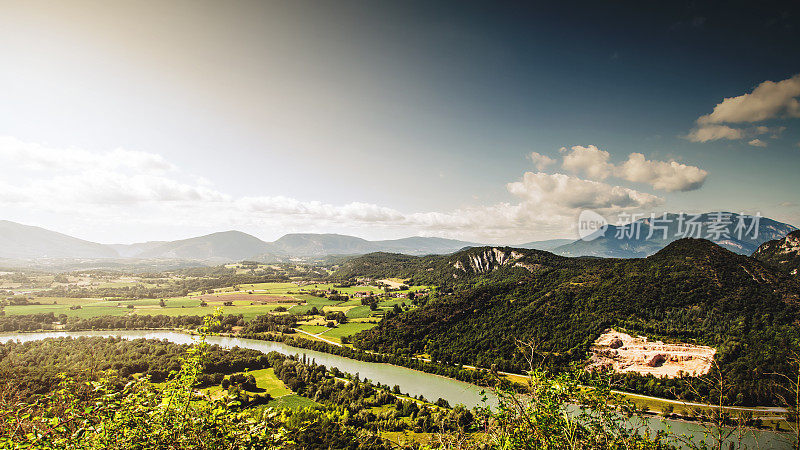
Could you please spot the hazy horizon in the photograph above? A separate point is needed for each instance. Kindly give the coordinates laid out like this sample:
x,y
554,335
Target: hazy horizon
x,y
132,121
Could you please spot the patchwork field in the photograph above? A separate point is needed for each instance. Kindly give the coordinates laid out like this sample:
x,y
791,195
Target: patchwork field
x,y
261,298
249,300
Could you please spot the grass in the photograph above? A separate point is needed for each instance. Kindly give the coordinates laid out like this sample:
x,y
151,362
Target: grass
x,y
347,329
338,308
360,311
404,438
266,381
190,305
292,401
313,329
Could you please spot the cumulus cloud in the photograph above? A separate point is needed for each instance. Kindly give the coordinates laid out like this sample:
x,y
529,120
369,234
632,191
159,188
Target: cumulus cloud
x,y
707,133
667,176
767,101
564,191
663,175
715,132
757,143
589,160
540,161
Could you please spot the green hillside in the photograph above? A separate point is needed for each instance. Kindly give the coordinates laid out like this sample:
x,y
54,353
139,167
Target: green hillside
x,y
692,290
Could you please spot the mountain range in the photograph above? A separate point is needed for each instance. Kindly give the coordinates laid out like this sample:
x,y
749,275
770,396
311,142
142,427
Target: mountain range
x,y
25,242
645,237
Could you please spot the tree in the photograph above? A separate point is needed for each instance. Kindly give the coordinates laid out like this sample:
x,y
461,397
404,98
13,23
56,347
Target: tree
x,y
787,389
719,421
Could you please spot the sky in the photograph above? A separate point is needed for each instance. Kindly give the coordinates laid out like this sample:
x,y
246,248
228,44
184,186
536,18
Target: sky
x,y
130,121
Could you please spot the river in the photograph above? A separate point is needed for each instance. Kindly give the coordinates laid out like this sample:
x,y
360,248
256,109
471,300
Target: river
x,y
410,381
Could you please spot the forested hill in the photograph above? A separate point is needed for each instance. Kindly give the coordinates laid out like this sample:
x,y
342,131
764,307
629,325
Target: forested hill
x,y
692,290
782,253
458,268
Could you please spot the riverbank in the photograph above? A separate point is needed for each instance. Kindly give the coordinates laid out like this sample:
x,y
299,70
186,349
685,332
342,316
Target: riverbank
x,y
411,381
675,410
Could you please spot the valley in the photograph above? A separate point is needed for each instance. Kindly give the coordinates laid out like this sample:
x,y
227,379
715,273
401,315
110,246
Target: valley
x,y
466,315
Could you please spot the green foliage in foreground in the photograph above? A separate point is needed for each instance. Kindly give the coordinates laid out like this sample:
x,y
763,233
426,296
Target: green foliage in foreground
x,y
560,413
95,415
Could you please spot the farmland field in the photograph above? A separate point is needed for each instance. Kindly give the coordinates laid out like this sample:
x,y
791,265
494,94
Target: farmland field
x,y
346,329
115,295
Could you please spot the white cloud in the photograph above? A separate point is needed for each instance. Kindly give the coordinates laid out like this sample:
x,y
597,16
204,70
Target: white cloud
x,y
64,179
663,175
540,161
767,101
354,211
667,176
589,160
33,156
136,188
564,191
708,133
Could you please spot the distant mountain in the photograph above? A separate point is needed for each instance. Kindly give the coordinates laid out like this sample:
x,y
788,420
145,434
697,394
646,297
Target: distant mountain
x,y
625,242
134,250
308,244
19,241
419,245
783,254
547,245
22,242
311,245
226,245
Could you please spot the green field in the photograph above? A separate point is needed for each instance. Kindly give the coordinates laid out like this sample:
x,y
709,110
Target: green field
x,y
247,304
292,401
360,312
313,329
266,381
347,329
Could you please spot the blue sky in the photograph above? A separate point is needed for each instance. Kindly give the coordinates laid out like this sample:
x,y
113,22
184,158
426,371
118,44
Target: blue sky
x,y
131,121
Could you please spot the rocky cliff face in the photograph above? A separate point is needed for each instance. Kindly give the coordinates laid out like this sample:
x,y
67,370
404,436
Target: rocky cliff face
x,y
487,260
782,253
